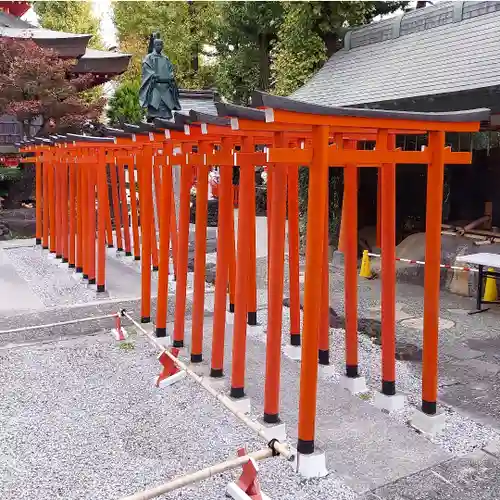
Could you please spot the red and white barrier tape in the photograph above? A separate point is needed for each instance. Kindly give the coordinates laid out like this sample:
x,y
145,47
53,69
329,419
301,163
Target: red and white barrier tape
x,y
422,263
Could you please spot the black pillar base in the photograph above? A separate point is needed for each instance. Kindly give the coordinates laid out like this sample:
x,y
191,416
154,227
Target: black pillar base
x,y
196,358
161,332
216,372
295,339
178,343
45,248
429,407
155,268
137,258
58,256
231,308
305,447
101,288
65,261
351,371
79,270
324,357
252,318
128,254
71,266
237,392
85,276
111,246
38,241
119,249
146,319
92,281
388,388
271,418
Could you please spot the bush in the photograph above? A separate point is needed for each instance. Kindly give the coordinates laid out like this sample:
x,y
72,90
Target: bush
x,y
124,105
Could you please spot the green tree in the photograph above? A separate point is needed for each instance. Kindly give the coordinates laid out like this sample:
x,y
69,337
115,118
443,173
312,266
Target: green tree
x,y
244,35
71,17
184,27
311,32
123,107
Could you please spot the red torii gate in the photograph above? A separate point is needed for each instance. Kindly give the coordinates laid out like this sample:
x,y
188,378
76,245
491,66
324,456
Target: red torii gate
x,y
294,134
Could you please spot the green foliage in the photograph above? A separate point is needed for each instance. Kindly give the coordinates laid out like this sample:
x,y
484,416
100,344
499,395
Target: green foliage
x,y
71,17
184,27
311,32
299,52
124,107
244,34
9,174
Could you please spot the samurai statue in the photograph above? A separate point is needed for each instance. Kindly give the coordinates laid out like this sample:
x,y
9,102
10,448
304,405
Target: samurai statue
x,y
158,94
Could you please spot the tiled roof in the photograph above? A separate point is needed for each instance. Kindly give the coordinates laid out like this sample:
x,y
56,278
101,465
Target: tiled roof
x,y
450,47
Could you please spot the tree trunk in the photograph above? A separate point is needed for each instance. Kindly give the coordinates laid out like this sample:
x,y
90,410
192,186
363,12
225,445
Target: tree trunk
x,y
194,47
264,62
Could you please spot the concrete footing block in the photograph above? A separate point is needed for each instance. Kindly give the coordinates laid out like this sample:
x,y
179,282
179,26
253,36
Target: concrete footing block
x,y
389,403
428,424
241,404
255,330
293,352
229,318
165,342
274,431
354,385
51,256
173,379
310,466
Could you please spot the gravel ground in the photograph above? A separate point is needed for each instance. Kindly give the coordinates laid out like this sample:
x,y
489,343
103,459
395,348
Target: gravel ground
x,y
82,419
45,278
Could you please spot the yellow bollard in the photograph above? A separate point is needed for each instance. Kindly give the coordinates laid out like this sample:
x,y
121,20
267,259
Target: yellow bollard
x,y
490,290
365,271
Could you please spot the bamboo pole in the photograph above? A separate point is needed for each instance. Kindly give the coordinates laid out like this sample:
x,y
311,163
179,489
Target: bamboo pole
x,y
194,477
258,428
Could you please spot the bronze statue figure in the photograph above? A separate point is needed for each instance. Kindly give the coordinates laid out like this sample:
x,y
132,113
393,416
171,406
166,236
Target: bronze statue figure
x,y
158,94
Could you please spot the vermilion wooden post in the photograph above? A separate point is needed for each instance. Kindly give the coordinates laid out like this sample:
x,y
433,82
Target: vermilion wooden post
x,y
324,324
221,269
85,218
350,206
269,215
80,214
173,233
312,297
52,204
247,146
39,196
102,214
241,293
199,258
388,242
157,191
91,208
72,213
434,213
133,203
64,208
116,203
58,198
232,256
275,287
165,207
47,165
182,255
293,253
124,208
145,168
